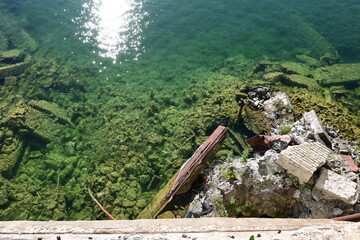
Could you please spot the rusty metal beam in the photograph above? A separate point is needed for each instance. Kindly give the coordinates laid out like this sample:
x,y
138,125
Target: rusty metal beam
x,y
181,182
351,218
196,161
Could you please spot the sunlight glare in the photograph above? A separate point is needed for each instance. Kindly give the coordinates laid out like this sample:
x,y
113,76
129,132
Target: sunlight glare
x,y
114,26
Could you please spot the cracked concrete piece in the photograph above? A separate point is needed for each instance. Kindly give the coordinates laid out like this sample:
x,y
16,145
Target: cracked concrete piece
x,y
336,186
315,125
303,160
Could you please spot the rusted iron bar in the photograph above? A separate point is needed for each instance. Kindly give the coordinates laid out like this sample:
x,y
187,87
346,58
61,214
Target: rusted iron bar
x,y
196,160
100,206
350,162
182,181
351,218
261,143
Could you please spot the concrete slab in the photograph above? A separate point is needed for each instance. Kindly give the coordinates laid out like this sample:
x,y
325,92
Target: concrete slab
x,y
176,229
303,160
336,186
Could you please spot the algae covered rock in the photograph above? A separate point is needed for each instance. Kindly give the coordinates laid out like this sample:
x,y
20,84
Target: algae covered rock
x,y
12,56
34,203
52,109
295,68
15,69
300,81
273,76
46,125
338,74
255,121
12,147
309,61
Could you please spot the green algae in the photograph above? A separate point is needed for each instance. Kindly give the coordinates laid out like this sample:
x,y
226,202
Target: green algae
x,y
339,74
127,136
125,151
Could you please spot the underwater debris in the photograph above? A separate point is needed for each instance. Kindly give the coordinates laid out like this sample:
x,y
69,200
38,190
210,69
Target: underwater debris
x,y
99,205
187,174
338,74
15,69
317,43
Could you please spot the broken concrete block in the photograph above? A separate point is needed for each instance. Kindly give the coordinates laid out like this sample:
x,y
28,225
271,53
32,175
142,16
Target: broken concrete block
x,y
15,69
338,74
12,56
303,160
299,80
33,122
295,68
335,186
278,109
52,109
272,76
316,127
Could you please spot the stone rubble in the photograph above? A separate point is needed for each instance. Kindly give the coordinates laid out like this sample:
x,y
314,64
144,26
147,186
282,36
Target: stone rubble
x,y
316,177
335,186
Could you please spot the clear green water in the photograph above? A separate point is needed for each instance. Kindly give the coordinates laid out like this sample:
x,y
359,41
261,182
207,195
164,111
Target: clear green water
x,y
128,73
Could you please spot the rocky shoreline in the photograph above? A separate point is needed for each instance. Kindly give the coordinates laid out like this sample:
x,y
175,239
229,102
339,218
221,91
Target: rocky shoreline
x,y
310,179
64,127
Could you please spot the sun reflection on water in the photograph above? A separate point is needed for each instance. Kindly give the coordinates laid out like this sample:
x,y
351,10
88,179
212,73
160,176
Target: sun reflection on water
x,y
113,26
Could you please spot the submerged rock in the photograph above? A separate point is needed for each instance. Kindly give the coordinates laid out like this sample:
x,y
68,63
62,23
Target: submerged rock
x,y
14,69
338,74
12,56
52,109
45,124
12,147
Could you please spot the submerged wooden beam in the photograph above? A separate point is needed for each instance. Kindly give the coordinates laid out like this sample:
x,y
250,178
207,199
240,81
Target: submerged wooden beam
x,y
181,182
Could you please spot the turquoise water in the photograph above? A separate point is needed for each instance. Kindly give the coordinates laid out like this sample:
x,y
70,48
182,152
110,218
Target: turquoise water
x,y
168,39
200,31
129,73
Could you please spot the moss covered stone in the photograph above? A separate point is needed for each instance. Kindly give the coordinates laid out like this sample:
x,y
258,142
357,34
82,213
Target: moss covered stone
x,y
338,74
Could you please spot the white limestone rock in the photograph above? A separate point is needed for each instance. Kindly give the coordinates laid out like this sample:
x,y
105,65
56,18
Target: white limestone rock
x,y
335,186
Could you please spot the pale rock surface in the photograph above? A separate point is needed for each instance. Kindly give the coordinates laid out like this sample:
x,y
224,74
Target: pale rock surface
x,y
303,160
278,109
312,120
335,186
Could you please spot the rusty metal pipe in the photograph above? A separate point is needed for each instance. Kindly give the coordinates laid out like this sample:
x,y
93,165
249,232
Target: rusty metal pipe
x,y
352,218
100,206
